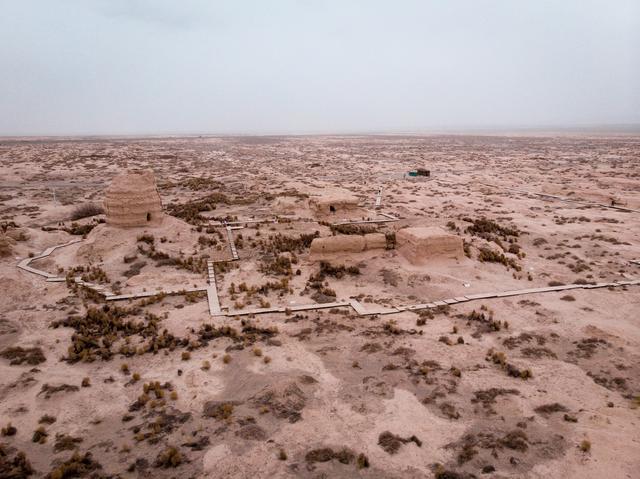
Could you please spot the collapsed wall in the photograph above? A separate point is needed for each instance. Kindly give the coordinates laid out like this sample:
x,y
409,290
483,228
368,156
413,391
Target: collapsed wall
x,y
333,203
132,199
340,244
421,244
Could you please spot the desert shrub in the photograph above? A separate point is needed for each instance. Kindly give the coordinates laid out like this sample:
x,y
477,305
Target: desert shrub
x,y
550,408
279,265
79,465
40,435
64,442
191,263
391,443
390,239
190,211
280,243
8,430
488,255
500,359
205,241
327,269
46,419
352,229
79,230
6,246
146,238
362,461
170,457
18,355
324,454
98,331
86,210
134,269
218,410
484,228
16,467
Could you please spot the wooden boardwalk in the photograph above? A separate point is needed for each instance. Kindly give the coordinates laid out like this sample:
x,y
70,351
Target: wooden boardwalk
x,y
212,291
232,245
361,310
388,219
24,264
560,198
216,310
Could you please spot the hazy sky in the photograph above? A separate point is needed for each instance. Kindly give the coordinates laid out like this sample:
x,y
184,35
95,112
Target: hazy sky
x,y
315,66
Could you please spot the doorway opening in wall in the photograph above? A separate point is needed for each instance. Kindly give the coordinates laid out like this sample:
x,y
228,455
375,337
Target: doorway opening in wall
x,y
332,208
148,216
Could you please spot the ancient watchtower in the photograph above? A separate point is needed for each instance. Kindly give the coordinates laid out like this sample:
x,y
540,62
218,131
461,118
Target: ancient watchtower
x,y
132,199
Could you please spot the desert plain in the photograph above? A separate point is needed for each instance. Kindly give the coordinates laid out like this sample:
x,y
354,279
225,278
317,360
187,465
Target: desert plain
x,y
246,351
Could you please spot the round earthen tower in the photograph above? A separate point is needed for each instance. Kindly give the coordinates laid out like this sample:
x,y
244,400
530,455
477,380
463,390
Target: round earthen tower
x,y
132,199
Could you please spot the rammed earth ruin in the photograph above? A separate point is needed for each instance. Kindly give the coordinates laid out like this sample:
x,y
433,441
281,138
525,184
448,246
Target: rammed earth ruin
x,y
133,200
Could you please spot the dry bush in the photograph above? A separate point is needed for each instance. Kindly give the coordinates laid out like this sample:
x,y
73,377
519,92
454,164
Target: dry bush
x,y
6,246
86,210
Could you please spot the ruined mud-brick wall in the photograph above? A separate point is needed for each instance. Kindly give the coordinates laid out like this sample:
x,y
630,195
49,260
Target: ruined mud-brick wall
x,y
333,203
420,244
132,199
347,244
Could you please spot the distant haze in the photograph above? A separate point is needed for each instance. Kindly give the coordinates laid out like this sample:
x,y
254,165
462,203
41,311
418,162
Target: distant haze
x,y
73,67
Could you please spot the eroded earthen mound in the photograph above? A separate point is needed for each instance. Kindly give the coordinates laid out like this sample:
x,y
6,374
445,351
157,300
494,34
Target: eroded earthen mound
x,y
333,203
339,244
420,244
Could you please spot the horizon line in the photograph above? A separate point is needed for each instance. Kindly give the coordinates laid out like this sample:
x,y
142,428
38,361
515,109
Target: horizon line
x,y
620,128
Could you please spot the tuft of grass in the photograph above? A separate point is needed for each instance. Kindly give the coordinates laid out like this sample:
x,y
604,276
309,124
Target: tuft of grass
x,y
585,446
282,455
186,355
170,457
257,351
266,360
206,365
226,359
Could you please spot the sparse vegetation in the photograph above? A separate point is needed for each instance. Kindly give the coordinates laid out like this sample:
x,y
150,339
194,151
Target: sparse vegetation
x,y
86,210
18,355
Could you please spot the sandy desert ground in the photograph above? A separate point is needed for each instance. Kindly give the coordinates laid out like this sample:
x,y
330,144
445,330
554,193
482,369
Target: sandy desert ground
x,y
542,385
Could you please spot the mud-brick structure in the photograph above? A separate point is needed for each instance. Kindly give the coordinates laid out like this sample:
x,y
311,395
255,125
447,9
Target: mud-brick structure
x,y
132,200
334,203
340,244
424,243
